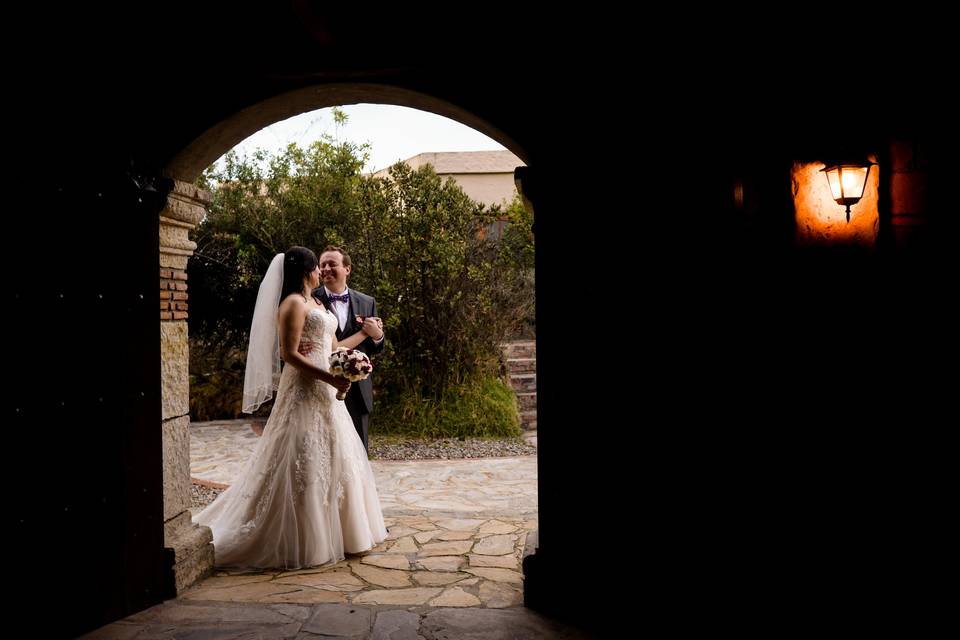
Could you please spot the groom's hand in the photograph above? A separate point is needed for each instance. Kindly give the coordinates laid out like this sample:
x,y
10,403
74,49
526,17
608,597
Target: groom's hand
x,y
305,348
373,327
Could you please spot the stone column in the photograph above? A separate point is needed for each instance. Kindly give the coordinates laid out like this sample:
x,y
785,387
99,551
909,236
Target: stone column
x,y
190,545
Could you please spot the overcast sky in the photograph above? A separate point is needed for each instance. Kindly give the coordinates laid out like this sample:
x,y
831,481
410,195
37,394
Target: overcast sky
x,y
394,133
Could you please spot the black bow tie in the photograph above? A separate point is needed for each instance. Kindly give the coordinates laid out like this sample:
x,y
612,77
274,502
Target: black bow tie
x,y
342,298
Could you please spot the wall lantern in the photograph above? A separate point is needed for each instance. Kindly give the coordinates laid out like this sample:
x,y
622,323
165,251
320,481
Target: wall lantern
x,y
847,182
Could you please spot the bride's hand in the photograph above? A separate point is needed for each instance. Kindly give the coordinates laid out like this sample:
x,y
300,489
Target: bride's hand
x,y
342,384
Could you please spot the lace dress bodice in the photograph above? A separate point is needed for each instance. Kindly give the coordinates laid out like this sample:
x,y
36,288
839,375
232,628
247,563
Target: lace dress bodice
x,y
319,330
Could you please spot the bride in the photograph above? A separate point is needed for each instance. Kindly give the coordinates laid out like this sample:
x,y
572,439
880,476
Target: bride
x,y
307,495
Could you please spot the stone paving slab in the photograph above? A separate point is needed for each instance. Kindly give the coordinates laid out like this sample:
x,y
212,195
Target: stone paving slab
x,y
218,450
482,488
227,620
481,570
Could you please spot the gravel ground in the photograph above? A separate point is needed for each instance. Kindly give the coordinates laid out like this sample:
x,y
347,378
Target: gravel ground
x,y
394,448
447,449
201,496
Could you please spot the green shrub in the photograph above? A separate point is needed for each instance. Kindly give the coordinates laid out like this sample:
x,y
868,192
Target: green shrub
x,y
486,407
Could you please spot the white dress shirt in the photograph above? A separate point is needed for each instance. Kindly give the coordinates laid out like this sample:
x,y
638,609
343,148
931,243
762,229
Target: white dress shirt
x,y
340,309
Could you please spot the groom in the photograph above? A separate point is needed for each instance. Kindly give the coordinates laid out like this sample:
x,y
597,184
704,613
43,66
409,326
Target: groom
x,y
347,305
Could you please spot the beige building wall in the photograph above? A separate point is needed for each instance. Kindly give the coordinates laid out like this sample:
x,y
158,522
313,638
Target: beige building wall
x,y
485,176
488,188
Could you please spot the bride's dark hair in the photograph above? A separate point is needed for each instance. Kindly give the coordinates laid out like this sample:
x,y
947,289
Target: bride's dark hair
x,y
297,263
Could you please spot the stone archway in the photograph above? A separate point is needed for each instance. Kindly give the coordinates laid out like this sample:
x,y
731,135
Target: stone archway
x,y
223,136
185,209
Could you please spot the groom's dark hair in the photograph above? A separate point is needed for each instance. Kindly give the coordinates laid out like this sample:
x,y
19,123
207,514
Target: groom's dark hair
x,y
341,251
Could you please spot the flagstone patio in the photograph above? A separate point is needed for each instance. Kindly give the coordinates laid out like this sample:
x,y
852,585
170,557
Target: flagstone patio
x,y
457,533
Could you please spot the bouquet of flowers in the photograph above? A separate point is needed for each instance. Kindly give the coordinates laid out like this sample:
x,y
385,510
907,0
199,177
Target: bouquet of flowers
x,y
351,364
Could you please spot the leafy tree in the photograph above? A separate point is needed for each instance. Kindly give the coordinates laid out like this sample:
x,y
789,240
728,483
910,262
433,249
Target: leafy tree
x,y
452,294
262,205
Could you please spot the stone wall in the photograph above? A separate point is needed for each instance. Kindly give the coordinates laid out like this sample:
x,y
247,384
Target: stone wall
x,y
821,222
189,545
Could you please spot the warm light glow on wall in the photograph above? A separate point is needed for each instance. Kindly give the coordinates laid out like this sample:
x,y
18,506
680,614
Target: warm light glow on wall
x,y
823,222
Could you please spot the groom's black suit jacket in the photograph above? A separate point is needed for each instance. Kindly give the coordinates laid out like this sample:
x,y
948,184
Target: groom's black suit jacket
x,y
360,396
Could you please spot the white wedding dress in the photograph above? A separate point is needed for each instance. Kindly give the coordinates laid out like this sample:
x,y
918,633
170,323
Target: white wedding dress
x,y
307,495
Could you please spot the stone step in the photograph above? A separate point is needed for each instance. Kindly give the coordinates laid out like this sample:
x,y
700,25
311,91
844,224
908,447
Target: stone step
x,y
527,401
523,382
189,547
521,365
528,420
522,349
